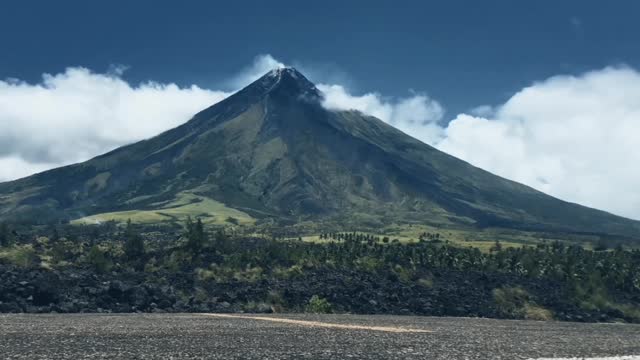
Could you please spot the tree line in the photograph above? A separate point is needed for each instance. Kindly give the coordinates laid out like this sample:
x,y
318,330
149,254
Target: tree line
x,y
607,274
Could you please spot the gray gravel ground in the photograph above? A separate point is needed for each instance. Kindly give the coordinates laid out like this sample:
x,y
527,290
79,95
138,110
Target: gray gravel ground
x,y
198,336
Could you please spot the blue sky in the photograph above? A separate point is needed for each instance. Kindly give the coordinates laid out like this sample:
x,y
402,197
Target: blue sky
x,y
541,92
464,53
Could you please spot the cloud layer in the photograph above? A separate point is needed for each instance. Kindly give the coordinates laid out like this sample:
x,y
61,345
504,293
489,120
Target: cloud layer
x,y
574,137
75,115
260,66
417,114
72,116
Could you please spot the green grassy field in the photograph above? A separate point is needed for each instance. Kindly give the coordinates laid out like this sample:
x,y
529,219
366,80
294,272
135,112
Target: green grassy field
x,y
216,213
186,204
483,239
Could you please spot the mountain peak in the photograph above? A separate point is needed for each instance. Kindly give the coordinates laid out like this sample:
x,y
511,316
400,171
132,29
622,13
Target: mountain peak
x,y
285,70
288,81
283,84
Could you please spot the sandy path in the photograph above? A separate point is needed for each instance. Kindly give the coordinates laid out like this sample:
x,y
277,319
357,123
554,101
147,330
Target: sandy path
x,y
323,324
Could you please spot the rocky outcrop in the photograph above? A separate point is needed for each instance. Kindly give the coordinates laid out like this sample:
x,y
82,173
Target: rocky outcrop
x,y
448,293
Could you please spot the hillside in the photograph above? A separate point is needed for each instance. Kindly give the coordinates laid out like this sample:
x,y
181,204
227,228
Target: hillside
x,y
271,151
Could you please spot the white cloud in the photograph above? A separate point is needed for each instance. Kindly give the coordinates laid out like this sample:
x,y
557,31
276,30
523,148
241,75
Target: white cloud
x,y
12,167
78,114
417,115
261,65
75,115
574,137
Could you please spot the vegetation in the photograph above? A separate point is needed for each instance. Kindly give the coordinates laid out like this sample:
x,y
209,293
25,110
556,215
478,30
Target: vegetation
x,y
318,305
515,302
184,205
98,260
6,237
20,255
195,235
133,244
352,272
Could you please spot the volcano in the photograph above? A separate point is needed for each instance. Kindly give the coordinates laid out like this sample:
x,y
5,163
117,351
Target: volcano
x,y
272,152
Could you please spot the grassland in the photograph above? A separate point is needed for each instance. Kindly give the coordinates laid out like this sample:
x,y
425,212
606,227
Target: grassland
x,y
483,239
186,204
216,213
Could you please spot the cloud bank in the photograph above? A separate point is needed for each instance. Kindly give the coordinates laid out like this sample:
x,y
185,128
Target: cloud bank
x,y
417,114
75,115
261,65
574,137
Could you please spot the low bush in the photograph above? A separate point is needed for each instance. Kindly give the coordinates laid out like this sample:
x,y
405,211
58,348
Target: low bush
x,y
319,305
535,312
510,301
19,255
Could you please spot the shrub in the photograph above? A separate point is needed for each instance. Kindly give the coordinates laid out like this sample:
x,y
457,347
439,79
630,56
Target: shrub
x,y
133,244
200,295
64,250
274,298
599,300
216,273
426,282
22,256
535,312
403,274
511,301
6,236
515,302
318,305
632,312
178,260
98,260
294,271
205,275
257,307
151,266
250,275
196,236
369,264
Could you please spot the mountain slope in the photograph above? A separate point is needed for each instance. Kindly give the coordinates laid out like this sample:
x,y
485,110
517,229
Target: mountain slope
x,y
271,150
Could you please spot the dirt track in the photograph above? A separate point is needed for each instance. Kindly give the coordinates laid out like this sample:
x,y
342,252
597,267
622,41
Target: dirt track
x,y
195,336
